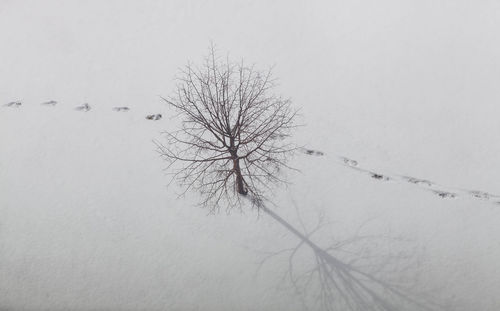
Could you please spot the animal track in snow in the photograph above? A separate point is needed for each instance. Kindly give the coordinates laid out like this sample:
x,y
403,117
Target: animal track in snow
x,y
349,162
379,176
85,107
121,109
154,117
49,103
441,191
312,152
445,194
418,181
14,104
480,194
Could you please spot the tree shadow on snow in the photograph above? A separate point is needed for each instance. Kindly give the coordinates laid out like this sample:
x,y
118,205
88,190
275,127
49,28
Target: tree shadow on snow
x,y
352,274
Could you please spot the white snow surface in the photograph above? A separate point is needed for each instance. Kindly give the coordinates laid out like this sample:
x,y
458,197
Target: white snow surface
x,y
405,88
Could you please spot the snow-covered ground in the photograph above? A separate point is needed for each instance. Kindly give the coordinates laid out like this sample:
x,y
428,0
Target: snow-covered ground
x,y
404,88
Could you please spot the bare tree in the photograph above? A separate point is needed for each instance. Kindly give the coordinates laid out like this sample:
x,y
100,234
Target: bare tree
x,y
232,139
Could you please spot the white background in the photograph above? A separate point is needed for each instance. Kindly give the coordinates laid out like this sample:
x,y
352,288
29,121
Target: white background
x,y
86,219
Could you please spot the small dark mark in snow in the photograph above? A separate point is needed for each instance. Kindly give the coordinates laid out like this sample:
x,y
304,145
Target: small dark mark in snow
x,y
445,195
121,109
418,181
313,152
15,104
85,107
480,194
379,176
49,103
349,162
154,117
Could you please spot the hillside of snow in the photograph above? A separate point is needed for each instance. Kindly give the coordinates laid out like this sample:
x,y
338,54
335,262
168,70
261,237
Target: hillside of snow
x,y
398,174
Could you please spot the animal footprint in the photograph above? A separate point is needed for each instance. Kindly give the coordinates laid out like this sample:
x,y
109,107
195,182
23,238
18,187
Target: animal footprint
x,y
418,181
14,104
154,117
349,162
313,152
85,107
121,108
445,194
49,103
480,194
379,176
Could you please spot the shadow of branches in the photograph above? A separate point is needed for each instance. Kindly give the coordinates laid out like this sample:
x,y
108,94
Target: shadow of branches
x,y
342,277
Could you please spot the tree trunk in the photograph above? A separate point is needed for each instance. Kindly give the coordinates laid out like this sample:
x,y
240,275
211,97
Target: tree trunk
x,y
240,185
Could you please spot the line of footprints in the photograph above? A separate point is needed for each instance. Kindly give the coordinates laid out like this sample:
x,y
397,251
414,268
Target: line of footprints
x,y
85,108
443,192
437,189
